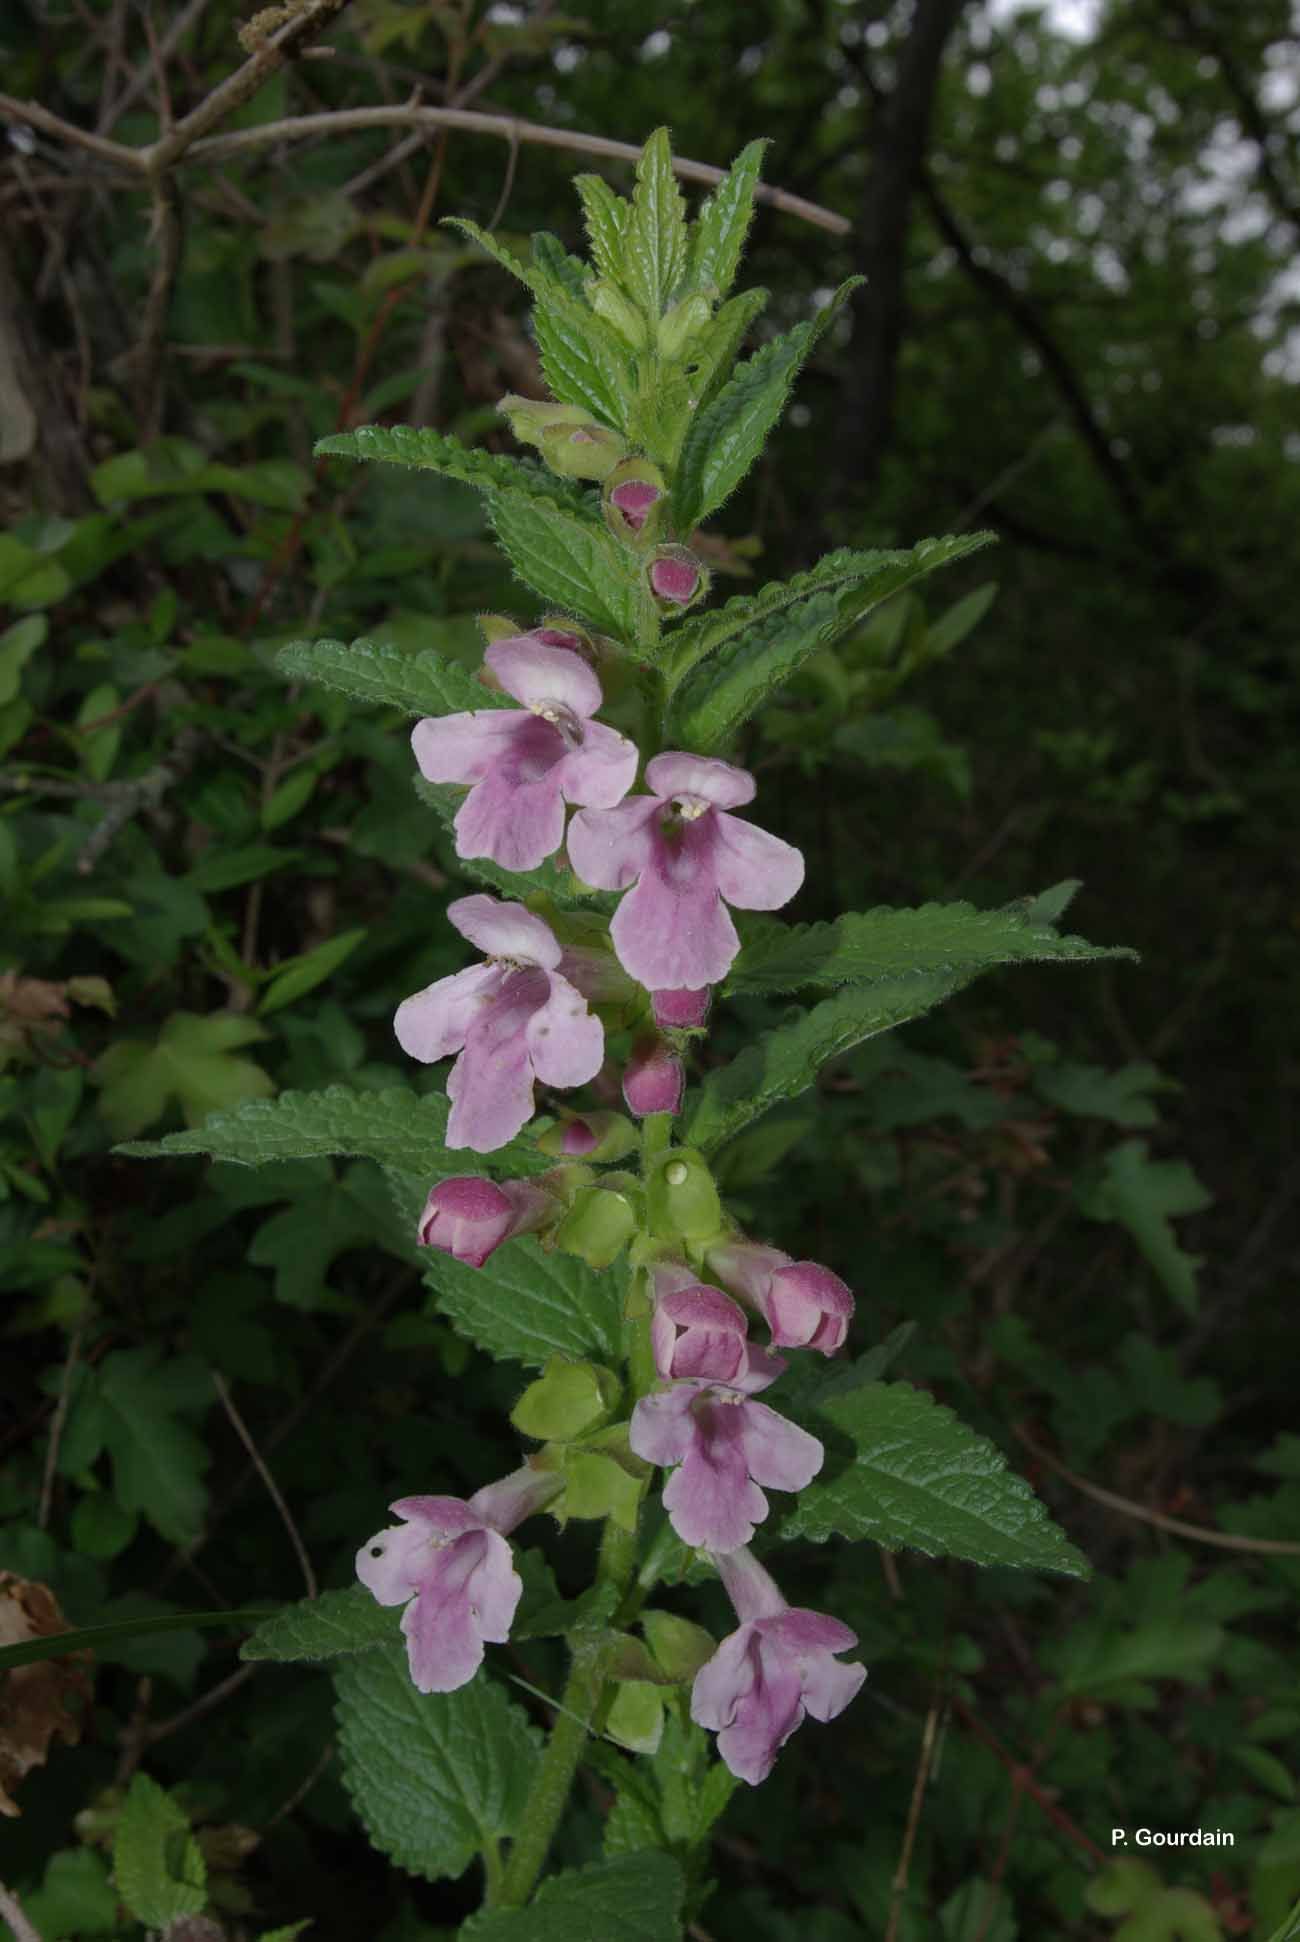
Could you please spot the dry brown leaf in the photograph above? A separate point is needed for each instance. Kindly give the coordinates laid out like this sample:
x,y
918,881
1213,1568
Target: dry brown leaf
x,y
40,1701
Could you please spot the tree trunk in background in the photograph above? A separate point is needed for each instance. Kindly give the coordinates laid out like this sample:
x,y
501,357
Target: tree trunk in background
x,y
898,136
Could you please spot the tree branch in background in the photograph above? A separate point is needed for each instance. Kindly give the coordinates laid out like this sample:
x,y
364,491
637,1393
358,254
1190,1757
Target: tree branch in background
x,y
899,132
1199,30
1022,313
12,1915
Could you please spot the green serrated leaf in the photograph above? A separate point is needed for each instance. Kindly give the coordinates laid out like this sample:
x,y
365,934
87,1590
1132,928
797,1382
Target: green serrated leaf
x,y
607,216
757,642
654,247
396,1127
1146,1195
634,1897
865,947
418,684
723,223
575,564
554,261
785,1062
434,451
328,1627
921,1478
130,1404
192,1061
524,1305
157,1865
725,438
717,348
434,1777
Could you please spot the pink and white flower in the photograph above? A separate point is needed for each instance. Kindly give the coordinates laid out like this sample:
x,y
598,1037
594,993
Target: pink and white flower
x,y
450,1559
724,1446
470,1217
688,859
513,1020
523,765
765,1677
653,1080
696,1331
804,1305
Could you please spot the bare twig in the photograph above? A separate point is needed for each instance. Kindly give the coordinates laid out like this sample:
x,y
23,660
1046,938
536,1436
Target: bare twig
x,y
10,1912
1271,1547
129,798
147,356
508,127
56,1429
164,1728
1025,1779
300,1792
899,1889
273,1490
188,17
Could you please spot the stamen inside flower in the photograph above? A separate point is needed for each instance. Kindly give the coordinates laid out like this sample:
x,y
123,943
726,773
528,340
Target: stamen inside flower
x,y
691,808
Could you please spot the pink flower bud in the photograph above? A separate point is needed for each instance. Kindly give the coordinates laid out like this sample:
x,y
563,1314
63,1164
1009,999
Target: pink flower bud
x,y
696,1330
803,1303
675,577
634,499
653,1081
682,1010
469,1218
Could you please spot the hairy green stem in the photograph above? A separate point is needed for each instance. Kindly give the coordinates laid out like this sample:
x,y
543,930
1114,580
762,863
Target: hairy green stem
x,y
578,1709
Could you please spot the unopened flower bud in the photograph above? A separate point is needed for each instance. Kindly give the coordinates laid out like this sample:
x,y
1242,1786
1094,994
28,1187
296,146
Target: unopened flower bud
x,y
676,577
635,498
469,1218
598,1226
581,451
653,1080
608,301
680,1011
680,326
590,1136
683,1200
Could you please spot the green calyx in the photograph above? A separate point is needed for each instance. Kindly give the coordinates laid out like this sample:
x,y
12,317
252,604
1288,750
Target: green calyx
x,y
681,1197
567,1400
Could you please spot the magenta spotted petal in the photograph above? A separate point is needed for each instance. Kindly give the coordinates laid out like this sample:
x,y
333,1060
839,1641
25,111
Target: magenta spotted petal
x,y
512,1020
448,1562
769,1674
523,765
686,859
724,1446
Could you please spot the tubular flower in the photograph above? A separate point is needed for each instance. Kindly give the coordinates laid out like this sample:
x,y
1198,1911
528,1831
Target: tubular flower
x,y
804,1304
469,1217
653,1080
513,1020
450,1559
524,764
697,1331
681,1010
724,1446
765,1677
688,859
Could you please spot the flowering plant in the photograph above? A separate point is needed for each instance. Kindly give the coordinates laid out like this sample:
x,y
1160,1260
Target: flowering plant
x,y
699,1390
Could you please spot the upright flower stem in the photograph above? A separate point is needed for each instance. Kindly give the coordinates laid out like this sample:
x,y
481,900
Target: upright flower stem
x,y
578,1707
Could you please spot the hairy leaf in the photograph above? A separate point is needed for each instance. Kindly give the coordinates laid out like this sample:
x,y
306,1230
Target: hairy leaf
x,y
654,246
920,1477
723,223
434,1777
327,1627
575,564
786,1061
634,1897
396,1127
607,216
867,946
757,642
727,436
157,1865
418,684
433,451
524,1305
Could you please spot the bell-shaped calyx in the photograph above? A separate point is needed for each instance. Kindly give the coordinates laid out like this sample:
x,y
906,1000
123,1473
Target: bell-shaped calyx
x,y
677,577
635,500
573,442
681,1198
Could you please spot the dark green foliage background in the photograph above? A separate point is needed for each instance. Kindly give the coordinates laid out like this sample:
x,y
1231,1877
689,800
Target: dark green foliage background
x,y
1097,360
